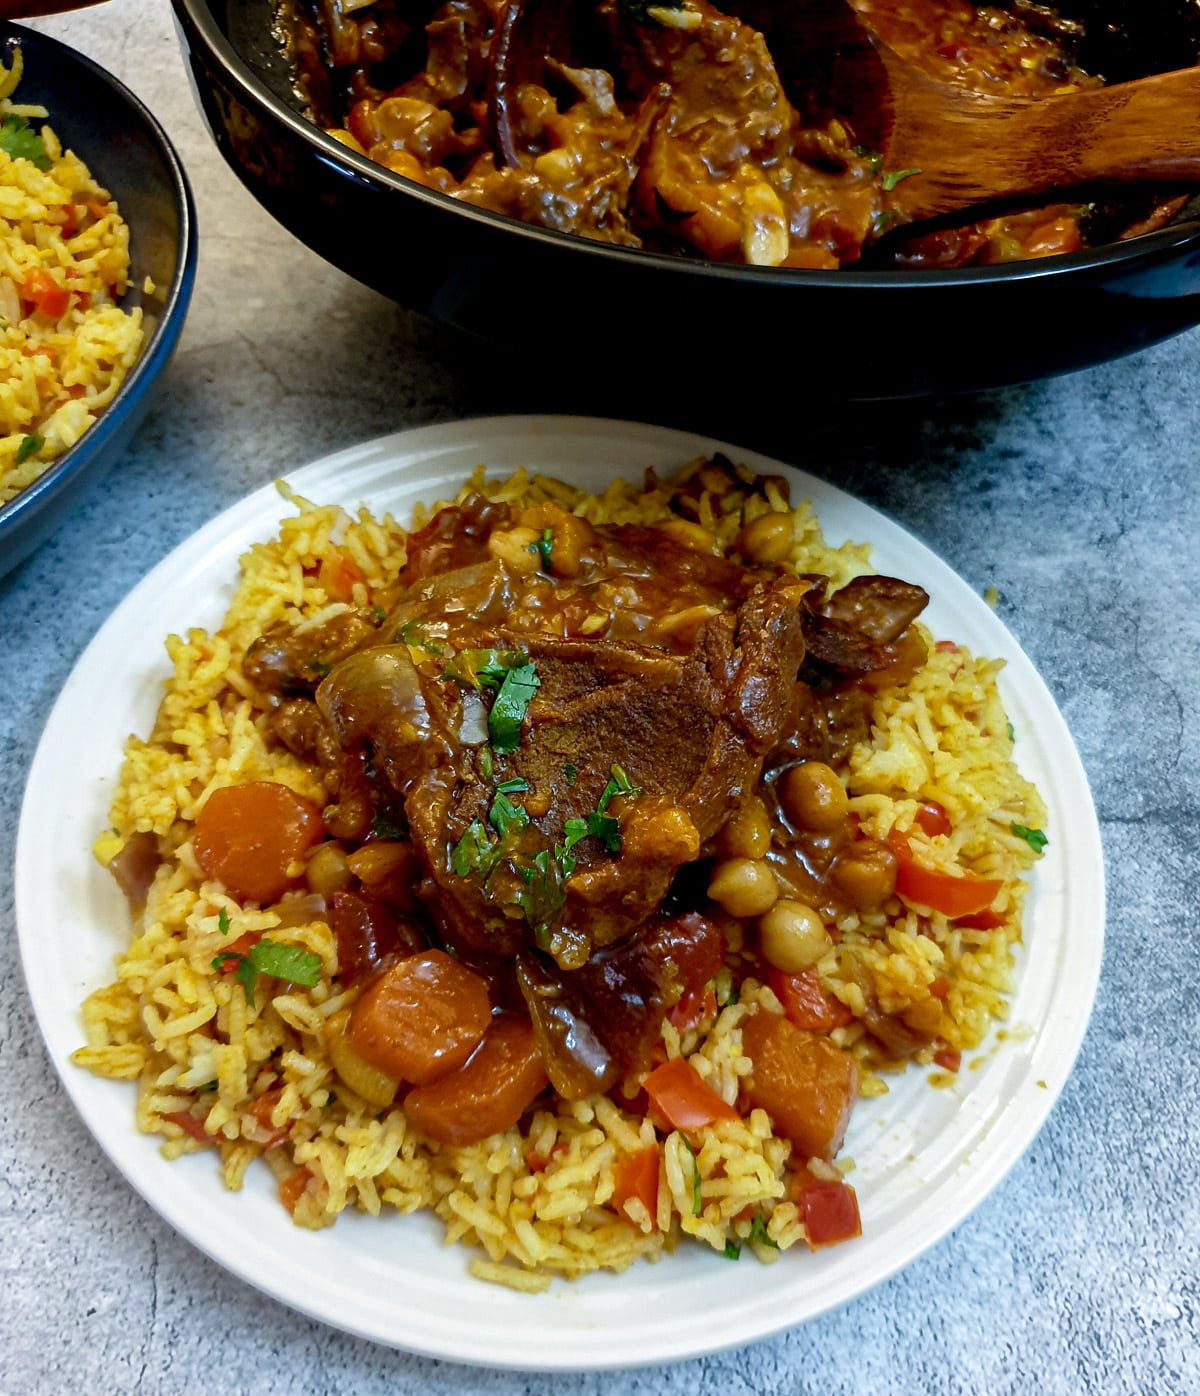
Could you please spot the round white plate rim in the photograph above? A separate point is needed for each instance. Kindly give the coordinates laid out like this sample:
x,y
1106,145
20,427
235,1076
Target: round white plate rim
x,y
585,1325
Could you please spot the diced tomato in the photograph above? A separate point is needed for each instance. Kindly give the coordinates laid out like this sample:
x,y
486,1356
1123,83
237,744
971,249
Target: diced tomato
x,y
491,1092
339,574
806,1003
932,819
952,895
805,1083
190,1125
266,1135
636,1177
291,1189
683,1098
948,1058
828,1209
247,836
421,1018
692,1009
48,297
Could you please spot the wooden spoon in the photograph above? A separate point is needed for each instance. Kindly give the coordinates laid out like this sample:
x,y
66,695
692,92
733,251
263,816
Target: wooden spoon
x,y
944,149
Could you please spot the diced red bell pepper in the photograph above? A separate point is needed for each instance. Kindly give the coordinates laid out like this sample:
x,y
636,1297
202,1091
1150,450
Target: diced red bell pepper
x,y
48,297
805,1003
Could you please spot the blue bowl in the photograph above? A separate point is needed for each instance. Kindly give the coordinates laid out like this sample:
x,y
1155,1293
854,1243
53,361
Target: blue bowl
x,y
129,154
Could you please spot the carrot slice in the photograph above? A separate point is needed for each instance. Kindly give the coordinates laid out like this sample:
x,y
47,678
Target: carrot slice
x,y
489,1093
421,1018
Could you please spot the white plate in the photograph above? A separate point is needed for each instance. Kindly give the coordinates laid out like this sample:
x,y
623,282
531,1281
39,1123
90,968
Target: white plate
x,y
924,1157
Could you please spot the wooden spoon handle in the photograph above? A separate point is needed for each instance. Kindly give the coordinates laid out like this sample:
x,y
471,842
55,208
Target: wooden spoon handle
x,y
971,148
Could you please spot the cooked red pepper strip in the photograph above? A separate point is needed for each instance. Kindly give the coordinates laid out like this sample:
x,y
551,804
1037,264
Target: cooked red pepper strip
x,y
683,1099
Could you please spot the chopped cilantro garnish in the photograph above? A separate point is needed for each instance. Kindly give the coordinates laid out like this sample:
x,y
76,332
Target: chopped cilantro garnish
x,y
223,921
542,897
503,814
485,762
513,786
619,784
890,178
758,1232
873,157
732,1251
571,771
290,962
378,615
882,221
1012,736
384,828
318,666
30,446
477,668
207,1086
544,547
414,634
20,141
508,707
639,10
1035,838
697,1202
471,851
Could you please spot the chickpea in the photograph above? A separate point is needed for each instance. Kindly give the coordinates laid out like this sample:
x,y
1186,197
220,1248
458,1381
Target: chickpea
x,y
744,886
767,539
813,797
375,1086
792,936
866,873
327,871
747,833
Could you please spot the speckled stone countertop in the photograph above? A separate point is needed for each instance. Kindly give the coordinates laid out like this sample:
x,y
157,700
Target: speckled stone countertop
x,y
1077,499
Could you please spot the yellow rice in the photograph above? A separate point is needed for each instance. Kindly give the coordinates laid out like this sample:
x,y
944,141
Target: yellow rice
x,y
533,1202
59,227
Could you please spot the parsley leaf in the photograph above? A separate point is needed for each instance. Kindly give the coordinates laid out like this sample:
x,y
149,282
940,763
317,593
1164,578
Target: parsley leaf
x,y
508,708
472,851
873,157
223,922
503,814
477,668
1035,838
619,784
1012,736
542,896
890,178
414,634
571,771
758,1231
290,962
732,1251
697,1202
384,828
30,446
544,547
20,141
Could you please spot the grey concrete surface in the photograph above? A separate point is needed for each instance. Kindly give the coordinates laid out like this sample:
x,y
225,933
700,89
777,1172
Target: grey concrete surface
x,y
1076,498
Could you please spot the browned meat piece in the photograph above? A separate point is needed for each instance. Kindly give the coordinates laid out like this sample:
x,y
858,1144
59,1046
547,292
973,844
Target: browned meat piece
x,y
598,1024
690,730
286,660
854,630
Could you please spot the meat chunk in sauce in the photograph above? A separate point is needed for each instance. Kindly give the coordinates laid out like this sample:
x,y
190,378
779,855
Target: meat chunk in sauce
x,y
689,732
